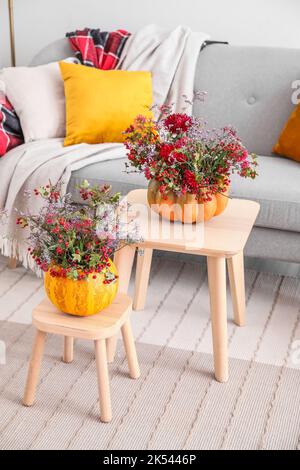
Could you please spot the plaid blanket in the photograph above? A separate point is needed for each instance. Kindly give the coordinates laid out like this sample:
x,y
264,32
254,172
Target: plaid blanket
x,y
10,128
96,48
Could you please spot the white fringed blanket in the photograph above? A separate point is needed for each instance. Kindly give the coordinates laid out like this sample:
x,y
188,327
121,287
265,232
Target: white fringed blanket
x,y
170,56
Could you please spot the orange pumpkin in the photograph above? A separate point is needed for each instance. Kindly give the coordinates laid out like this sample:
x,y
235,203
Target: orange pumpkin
x,y
82,298
184,207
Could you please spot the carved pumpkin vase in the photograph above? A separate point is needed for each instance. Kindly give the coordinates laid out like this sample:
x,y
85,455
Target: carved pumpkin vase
x,y
82,298
185,207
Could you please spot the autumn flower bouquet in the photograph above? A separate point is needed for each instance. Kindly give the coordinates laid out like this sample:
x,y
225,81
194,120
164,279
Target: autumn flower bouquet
x,y
74,243
185,162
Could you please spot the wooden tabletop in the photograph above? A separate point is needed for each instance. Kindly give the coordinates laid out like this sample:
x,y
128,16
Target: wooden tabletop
x,y
223,235
46,317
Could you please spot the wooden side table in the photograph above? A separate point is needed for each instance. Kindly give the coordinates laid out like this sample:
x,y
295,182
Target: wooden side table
x,y
221,239
99,328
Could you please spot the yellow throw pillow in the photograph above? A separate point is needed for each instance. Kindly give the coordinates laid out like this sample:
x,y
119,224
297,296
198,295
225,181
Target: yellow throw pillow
x,y
101,104
288,144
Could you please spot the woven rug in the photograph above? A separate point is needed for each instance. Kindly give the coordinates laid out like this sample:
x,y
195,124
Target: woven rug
x,y
176,404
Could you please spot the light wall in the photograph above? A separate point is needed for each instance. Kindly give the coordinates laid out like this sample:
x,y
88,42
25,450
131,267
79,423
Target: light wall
x,y
245,22
4,34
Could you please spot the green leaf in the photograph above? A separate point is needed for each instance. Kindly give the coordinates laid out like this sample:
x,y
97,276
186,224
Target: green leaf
x,y
85,184
76,257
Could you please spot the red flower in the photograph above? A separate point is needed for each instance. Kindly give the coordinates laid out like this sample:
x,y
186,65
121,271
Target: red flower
x,y
129,129
44,266
179,156
22,221
178,122
54,196
59,250
147,173
162,188
166,150
190,180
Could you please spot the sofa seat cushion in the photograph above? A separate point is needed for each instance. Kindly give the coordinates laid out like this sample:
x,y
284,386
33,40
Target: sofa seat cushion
x,y
111,172
277,189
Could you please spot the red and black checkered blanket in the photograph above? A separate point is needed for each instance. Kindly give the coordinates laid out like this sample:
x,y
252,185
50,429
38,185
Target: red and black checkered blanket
x,y
96,48
10,128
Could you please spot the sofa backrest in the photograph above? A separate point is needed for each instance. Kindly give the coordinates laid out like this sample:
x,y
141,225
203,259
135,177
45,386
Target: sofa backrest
x,y
248,87
57,50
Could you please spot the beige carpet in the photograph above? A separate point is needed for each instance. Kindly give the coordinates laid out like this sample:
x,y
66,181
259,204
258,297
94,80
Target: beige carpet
x,y
176,404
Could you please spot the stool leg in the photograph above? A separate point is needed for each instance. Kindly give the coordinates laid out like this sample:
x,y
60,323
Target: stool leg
x,y
68,349
143,267
133,365
34,368
111,345
103,380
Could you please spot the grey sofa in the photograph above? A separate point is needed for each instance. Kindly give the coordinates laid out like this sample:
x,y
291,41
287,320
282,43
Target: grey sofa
x,y
250,88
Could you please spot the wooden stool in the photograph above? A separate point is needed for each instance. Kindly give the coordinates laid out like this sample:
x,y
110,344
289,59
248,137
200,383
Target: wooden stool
x,y
99,328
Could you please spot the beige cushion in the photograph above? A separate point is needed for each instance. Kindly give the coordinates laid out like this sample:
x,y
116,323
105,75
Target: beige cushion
x,y
37,94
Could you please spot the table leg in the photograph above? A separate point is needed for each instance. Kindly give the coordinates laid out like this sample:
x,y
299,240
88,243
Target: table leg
x,y
217,289
68,349
34,368
143,267
123,260
103,380
237,286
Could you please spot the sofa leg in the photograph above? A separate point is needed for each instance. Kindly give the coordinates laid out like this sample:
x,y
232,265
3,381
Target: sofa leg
x,y
12,263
